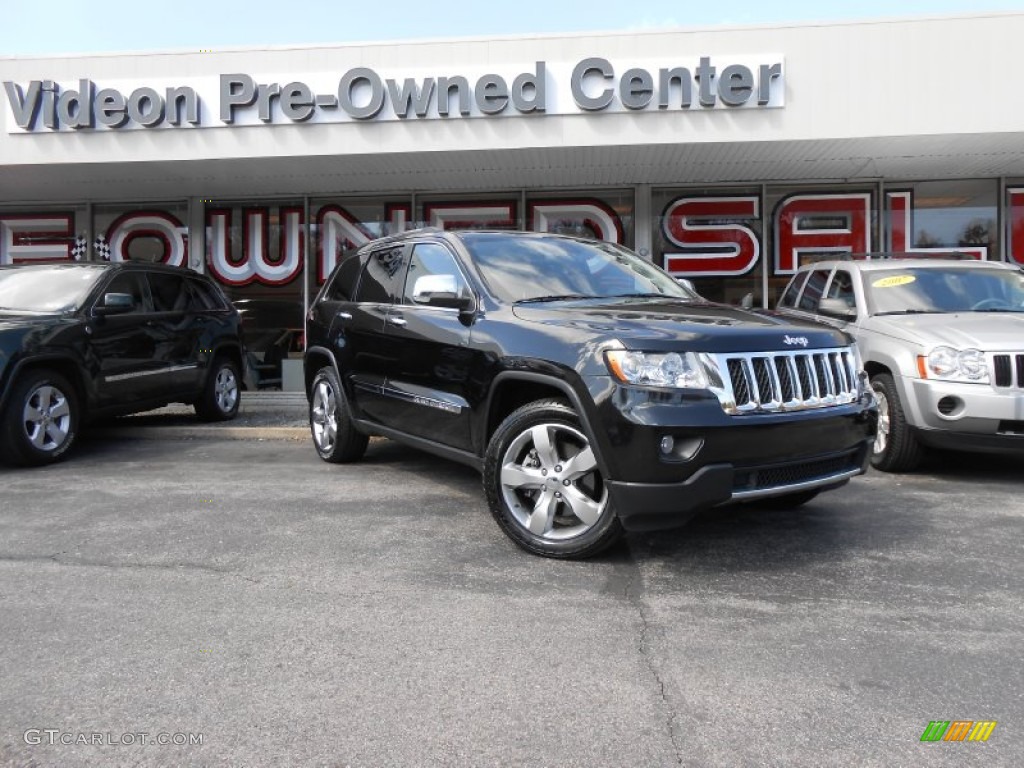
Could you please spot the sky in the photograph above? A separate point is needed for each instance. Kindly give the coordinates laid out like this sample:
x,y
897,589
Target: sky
x,y
46,27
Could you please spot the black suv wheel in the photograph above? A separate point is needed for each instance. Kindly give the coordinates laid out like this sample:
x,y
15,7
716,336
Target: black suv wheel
x,y
222,394
335,438
544,486
41,421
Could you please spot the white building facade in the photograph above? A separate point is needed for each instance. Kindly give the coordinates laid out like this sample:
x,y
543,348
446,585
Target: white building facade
x,y
725,155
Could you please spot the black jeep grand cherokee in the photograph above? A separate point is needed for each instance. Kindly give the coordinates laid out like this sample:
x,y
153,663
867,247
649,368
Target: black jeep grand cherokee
x,y
80,341
592,390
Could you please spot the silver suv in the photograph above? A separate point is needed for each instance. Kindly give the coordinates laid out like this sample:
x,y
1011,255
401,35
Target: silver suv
x,y
941,339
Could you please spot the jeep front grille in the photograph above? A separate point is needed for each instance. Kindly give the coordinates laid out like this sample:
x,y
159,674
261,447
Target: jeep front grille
x,y
769,382
1009,370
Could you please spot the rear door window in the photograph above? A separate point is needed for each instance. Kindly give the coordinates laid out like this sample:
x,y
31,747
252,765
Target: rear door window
x,y
382,276
813,289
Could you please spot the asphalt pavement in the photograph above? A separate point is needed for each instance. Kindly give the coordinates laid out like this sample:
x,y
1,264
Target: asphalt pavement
x,y
253,605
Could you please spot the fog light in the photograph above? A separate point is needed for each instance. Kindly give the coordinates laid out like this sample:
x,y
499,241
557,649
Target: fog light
x,y
667,444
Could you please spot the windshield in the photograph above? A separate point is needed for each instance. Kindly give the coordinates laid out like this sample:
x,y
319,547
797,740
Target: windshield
x,y
950,289
53,288
538,268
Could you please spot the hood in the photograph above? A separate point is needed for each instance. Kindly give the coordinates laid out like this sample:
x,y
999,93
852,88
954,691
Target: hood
x,y
988,331
674,324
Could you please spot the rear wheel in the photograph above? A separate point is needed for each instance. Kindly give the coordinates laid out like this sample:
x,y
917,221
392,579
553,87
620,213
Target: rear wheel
x,y
222,394
41,421
544,486
334,435
896,448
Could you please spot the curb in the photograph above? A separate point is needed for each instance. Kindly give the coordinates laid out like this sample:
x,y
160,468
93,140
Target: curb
x,y
171,432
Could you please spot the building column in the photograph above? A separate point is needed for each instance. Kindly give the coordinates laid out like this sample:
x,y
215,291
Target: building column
x,y
643,222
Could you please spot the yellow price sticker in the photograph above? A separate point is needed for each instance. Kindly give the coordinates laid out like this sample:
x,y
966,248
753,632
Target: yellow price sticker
x,y
892,282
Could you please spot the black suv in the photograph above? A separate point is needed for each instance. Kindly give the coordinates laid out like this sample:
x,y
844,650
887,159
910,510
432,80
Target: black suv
x,y
593,391
80,341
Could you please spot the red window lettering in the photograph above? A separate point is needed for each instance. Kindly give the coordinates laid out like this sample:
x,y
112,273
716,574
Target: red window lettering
x,y
1016,212
36,237
713,241
590,218
826,223
255,264
156,225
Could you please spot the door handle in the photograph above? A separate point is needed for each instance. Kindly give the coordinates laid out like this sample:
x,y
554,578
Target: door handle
x,y
396,321
345,315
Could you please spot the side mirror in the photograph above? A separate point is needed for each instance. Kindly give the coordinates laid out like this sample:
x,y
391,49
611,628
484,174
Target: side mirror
x,y
747,302
836,308
115,304
441,291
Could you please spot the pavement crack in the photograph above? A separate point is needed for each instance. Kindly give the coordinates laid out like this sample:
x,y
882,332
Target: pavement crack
x,y
632,594
59,559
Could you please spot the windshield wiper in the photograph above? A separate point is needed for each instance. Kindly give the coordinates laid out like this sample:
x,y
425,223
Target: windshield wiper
x,y
913,312
557,297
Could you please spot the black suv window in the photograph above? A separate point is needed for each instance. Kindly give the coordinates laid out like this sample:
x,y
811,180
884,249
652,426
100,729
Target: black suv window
x,y
133,284
169,292
382,275
204,296
813,290
343,286
431,259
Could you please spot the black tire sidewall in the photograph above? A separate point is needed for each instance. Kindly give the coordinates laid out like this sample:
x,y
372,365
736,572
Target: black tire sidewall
x,y
16,443
602,535
208,408
349,444
902,451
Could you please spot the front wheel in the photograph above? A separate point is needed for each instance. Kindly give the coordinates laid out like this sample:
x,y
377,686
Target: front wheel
x,y
544,486
222,393
41,421
896,448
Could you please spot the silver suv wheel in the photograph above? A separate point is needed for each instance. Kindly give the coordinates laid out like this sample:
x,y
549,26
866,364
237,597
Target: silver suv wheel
x,y
549,481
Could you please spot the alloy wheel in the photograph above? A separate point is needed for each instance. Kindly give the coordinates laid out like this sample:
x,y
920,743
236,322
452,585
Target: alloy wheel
x,y
551,483
47,417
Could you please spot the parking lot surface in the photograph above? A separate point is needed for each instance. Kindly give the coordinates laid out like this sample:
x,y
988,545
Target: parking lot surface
x,y
283,611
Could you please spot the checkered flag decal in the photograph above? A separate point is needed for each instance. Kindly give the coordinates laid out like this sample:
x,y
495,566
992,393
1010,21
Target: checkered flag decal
x,y
102,247
80,248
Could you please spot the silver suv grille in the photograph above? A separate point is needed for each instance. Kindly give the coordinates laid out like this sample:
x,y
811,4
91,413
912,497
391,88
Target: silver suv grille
x,y
768,382
1009,370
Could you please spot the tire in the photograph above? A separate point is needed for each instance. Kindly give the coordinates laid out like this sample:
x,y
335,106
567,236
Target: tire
x,y
539,453
330,422
786,501
41,421
896,448
222,393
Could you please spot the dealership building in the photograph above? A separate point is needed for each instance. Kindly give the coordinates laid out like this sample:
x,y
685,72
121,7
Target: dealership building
x,y
726,155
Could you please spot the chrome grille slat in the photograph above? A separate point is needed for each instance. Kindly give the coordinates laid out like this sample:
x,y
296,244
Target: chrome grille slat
x,y
770,382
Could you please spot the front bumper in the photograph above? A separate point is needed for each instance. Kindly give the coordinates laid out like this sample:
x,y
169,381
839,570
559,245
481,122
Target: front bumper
x,y
653,506
969,416
670,456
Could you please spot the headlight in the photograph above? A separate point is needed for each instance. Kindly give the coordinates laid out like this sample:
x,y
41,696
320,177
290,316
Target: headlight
x,y
681,370
957,364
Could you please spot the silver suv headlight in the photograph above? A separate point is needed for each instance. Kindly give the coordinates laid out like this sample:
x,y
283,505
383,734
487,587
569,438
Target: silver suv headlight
x,y
680,370
952,364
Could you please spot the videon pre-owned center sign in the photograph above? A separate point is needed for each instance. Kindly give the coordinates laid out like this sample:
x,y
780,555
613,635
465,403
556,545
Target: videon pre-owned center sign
x,y
590,85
